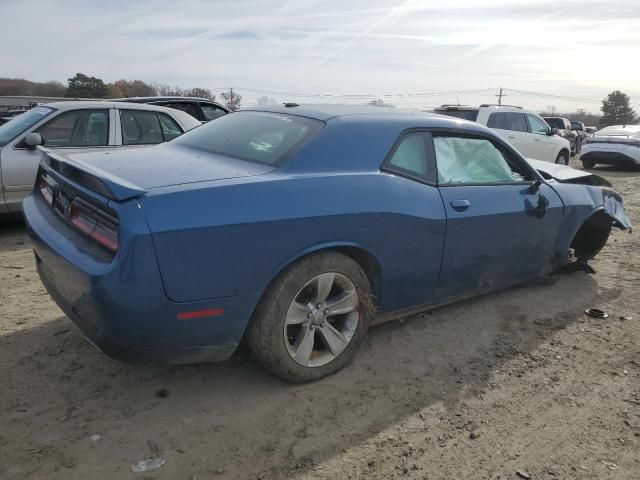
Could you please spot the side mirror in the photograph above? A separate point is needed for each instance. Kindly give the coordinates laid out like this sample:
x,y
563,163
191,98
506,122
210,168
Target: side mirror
x,y
33,140
552,131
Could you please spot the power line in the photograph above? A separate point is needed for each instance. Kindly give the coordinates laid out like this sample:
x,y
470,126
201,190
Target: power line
x,y
413,95
360,96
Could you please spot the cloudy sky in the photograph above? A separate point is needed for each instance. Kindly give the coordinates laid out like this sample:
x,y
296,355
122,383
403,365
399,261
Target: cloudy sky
x,y
349,49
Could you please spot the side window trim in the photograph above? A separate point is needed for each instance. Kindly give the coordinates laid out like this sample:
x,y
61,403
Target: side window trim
x,y
430,178
496,143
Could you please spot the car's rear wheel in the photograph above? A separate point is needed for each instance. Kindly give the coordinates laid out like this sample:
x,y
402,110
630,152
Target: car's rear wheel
x,y
312,318
588,164
563,158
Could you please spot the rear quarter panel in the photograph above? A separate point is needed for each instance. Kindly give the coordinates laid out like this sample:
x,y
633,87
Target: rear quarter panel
x,y
234,238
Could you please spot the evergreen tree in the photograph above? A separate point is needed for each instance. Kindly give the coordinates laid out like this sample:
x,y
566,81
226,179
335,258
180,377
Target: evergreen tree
x,y
616,110
83,86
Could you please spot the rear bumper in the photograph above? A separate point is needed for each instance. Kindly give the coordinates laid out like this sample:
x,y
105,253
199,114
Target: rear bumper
x,y
120,305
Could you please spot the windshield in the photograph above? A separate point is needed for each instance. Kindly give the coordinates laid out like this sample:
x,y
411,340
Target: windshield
x,y
19,124
260,137
555,123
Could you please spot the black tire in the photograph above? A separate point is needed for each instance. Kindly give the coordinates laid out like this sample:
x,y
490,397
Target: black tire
x,y
265,332
588,163
563,158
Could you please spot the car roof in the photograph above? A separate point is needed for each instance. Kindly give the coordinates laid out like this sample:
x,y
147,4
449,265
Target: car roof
x,y
484,106
621,130
399,117
163,99
83,104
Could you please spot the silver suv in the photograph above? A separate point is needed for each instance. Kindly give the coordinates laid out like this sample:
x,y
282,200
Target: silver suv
x,y
523,129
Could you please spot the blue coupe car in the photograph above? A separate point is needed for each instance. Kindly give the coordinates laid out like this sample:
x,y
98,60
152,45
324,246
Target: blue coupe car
x,y
293,227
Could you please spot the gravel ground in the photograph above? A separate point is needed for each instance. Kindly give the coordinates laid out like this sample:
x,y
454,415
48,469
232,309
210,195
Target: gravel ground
x,y
518,381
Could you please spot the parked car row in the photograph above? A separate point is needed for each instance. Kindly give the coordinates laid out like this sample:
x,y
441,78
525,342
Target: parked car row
x,y
564,129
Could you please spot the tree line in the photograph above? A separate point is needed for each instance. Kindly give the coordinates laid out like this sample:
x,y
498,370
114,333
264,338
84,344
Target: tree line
x,y
616,108
86,86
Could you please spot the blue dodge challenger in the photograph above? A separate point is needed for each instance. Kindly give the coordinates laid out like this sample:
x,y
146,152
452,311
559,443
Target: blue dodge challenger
x,y
293,227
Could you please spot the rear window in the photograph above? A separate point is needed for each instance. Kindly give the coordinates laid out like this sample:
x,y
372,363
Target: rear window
x,y
260,137
463,114
555,123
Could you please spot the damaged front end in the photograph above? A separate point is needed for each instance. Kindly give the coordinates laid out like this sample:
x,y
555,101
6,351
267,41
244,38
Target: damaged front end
x,y
593,234
592,208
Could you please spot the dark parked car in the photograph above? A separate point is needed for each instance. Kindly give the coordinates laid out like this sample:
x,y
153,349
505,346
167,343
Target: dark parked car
x,y
199,108
292,227
581,130
563,127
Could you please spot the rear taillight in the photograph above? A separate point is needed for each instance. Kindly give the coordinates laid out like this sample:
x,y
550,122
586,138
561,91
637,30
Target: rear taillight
x,y
94,223
45,190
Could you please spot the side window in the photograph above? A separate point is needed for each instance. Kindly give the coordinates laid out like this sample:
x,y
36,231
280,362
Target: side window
x,y
537,125
211,111
140,127
476,161
410,155
78,128
170,129
507,121
190,108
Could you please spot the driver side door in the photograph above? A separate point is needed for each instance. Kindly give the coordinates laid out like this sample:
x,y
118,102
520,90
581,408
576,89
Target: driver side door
x,y
501,224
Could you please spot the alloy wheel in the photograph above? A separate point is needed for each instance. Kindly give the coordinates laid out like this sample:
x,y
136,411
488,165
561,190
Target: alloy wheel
x,y
321,319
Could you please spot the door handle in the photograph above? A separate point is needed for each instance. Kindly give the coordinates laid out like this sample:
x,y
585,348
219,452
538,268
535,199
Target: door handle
x,y
460,205
511,136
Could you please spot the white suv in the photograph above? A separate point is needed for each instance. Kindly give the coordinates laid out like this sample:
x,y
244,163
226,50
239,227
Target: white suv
x,y
523,129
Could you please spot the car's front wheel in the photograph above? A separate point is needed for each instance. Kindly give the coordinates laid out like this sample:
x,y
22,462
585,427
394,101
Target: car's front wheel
x,y
563,158
588,164
312,318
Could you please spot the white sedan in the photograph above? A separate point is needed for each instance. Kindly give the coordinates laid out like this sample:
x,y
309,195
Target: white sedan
x,y
78,126
615,145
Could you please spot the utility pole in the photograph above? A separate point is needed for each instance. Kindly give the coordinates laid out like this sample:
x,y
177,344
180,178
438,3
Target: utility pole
x,y
500,95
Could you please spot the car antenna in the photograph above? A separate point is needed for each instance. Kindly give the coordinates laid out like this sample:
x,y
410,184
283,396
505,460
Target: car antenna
x,y
291,104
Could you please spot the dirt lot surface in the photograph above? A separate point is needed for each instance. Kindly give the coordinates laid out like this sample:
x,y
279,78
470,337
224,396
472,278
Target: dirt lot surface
x,y
519,381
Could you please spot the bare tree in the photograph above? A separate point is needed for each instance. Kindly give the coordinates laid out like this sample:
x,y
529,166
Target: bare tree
x,y
21,86
200,92
264,100
231,99
130,88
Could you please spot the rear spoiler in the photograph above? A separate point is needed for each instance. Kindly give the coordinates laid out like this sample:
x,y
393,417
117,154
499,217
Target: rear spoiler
x,y
91,178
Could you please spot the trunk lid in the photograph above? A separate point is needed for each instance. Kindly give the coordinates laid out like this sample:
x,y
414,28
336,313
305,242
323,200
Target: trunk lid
x,y
164,165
